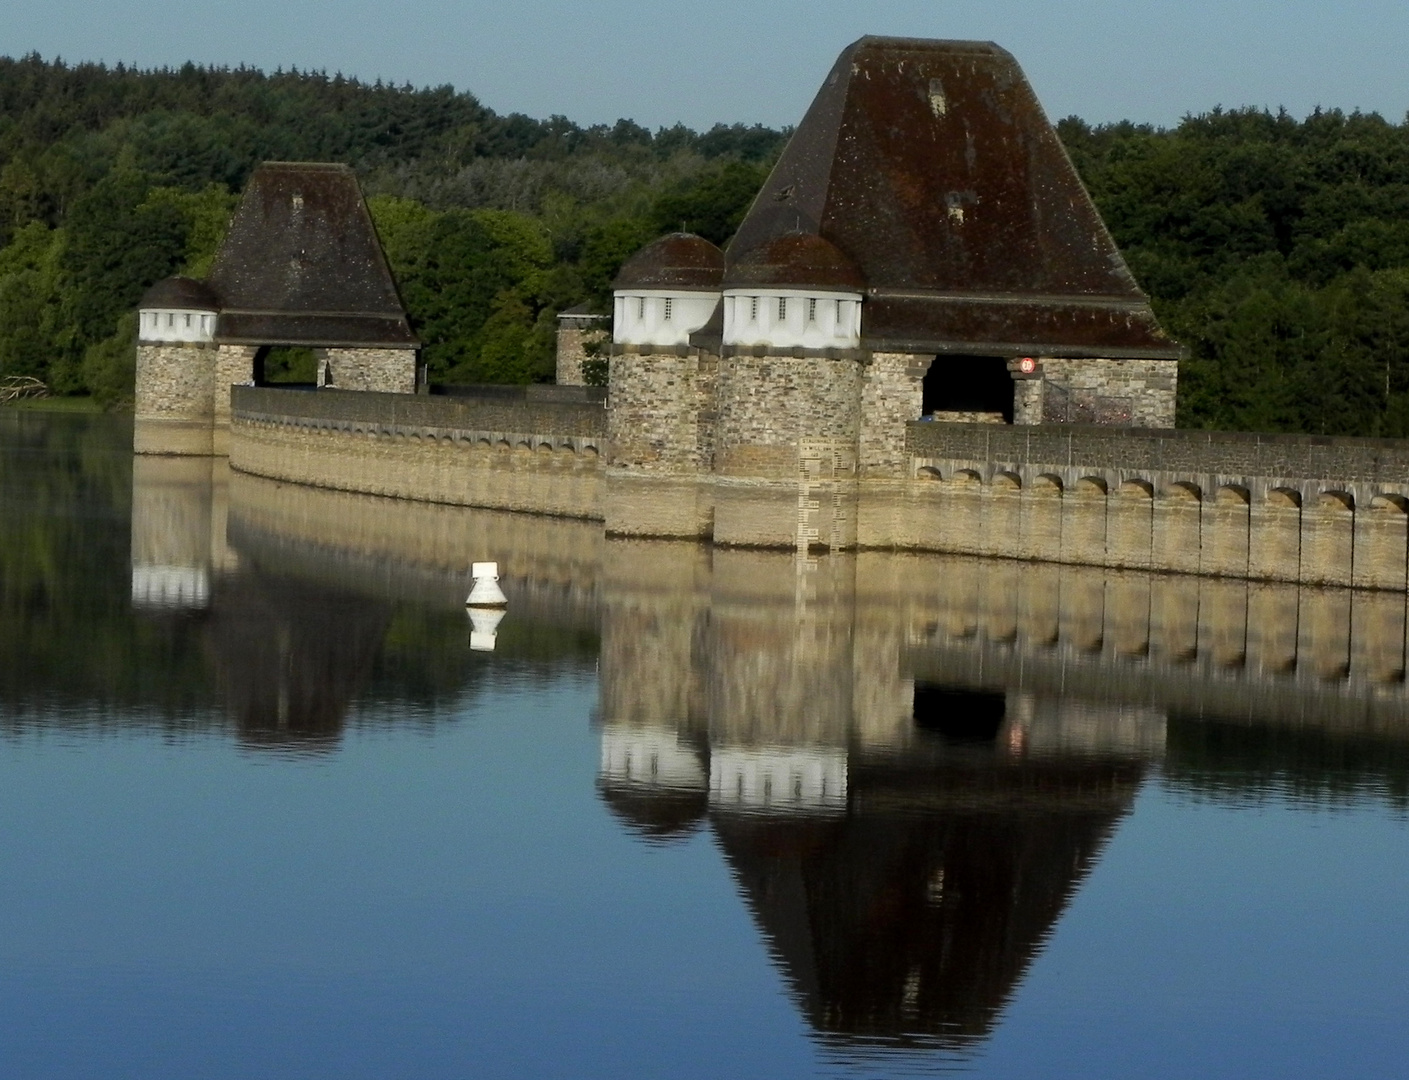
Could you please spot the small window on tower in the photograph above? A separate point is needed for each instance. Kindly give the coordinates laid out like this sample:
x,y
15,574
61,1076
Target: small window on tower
x,y
782,308
811,309
753,309
170,319
188,322
640,307
669,306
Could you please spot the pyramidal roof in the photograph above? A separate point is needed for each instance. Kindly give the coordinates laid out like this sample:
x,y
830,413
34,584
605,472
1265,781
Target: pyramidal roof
x,y
932,165
302,264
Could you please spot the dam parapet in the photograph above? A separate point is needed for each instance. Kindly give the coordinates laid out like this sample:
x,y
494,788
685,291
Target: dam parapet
x,y
532,449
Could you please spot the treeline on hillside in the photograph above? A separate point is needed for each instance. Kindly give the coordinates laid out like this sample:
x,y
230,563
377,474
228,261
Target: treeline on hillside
x,y
113,178
1276,250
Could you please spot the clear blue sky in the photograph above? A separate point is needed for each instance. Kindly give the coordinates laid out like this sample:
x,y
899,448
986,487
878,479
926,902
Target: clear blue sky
x,y
701,61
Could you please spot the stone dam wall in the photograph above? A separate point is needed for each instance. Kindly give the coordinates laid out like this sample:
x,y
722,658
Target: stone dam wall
x,y
1316,510
534,449
1311,510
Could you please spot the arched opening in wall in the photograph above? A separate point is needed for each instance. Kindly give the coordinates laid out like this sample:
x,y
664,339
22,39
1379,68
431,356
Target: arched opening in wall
x,y
285,365
1284,499
1232,495
957,714
968,388
1136,489
1007,482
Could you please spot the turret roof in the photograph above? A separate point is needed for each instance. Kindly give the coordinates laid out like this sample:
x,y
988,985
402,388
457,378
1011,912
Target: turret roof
x,y
932,165
302,264
794,260
678,261
180,294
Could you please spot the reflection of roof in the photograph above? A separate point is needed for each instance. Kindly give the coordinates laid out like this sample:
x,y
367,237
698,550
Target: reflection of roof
x,y
677,261
932,165
302,264
656,814
180,294
794,260
916,914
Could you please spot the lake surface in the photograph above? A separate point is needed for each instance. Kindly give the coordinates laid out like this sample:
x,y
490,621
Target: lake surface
x,y
265,812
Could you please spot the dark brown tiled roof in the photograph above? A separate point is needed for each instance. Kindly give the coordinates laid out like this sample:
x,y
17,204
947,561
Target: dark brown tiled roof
x,y
932,165
180,293
302,264
793,260
677,261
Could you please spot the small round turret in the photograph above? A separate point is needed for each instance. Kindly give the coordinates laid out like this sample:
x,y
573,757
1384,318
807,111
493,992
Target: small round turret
x,y
667,290
177,309
797,290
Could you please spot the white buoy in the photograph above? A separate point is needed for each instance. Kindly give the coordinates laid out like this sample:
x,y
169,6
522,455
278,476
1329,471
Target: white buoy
x,y
484,626
486,593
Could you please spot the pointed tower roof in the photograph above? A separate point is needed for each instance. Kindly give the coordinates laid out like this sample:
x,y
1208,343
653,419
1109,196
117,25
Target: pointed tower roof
x,y
932,165
302,264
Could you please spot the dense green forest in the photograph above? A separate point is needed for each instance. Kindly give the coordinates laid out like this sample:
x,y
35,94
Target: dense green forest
x,y
1275,249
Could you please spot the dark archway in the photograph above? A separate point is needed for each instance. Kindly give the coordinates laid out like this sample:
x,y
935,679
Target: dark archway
x,y
969,384
286,365
957,714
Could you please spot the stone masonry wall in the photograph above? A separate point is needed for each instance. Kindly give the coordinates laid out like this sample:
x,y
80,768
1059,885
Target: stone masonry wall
x,y
174,398
653,421
892,394
174,381
573,336
234,366
1123,393
507,453
769,404
1314,510
391,371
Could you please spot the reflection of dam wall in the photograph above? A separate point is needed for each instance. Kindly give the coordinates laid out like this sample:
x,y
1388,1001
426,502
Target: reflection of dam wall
x,y
548,567
1233,649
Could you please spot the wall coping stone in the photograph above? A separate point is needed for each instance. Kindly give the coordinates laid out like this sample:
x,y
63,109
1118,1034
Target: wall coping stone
x,y
501,413
1169,450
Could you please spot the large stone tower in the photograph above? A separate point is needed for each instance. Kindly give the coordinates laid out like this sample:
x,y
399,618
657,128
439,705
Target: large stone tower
x,y
923,249
301,266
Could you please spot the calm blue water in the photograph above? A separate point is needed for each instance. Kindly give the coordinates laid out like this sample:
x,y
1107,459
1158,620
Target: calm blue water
x,y
296,828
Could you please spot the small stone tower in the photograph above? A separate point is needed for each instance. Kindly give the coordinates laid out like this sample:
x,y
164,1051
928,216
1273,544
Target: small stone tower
x,y
301,266
175,367
662,388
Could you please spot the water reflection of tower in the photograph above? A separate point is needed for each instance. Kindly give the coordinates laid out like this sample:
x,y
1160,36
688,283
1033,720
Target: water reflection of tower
x,y
904,869
288,655
654,627
179,509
